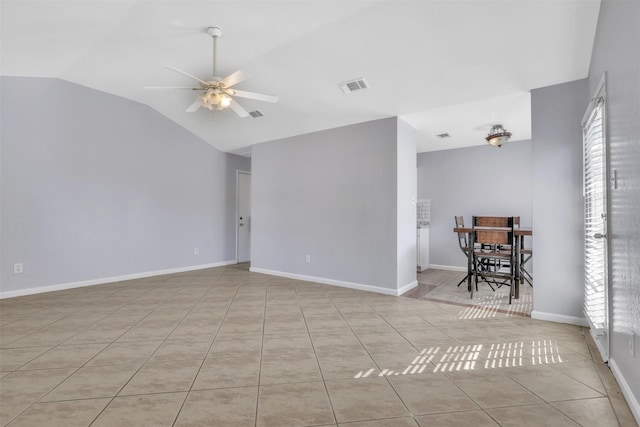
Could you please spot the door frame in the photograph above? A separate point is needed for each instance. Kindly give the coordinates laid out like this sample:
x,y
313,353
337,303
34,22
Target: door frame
x,y
237,222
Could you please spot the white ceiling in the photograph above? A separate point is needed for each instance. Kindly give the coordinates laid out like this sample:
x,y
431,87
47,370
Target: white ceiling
x,y
452,67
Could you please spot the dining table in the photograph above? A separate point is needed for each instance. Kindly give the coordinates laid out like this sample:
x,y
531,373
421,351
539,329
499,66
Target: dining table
x,y
518,233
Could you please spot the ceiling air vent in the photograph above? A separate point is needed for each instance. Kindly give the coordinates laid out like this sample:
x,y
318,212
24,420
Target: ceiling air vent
x,y
443,135
354,85
255,114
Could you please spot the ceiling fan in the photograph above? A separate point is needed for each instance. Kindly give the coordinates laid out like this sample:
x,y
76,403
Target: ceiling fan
x,y
217,93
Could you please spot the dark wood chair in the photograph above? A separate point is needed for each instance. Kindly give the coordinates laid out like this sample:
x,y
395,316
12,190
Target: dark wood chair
x,y
525,255
463,243
494,252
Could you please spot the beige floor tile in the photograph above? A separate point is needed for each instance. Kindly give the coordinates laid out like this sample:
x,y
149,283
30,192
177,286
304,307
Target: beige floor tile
x,y
553,386
589,412
92,382
13,358
427,337
43,338
492,391
293,404
289,368
607,378
332,342
221,372
365,344
391,360
233,407
22,387
364,399
142,410
181,350
9,412
456,419
376,338
343,365
391,422
531,416
96,335
163,377
78,413
285,327
125,353
621,408
193,333
237,345
443,394
65,356
287,343
146,333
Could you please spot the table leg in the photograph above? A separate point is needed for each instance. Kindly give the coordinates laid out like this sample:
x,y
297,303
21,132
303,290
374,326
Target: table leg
x,y
516,291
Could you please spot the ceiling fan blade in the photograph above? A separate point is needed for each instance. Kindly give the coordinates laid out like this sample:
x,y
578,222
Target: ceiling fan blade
x,y
193,107
237,108
185,73
172,87
253,95
235,78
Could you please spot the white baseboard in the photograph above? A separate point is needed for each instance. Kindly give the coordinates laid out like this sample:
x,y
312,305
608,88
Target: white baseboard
x,y
559,318
103,280
406,288
332,282
448,267
632,400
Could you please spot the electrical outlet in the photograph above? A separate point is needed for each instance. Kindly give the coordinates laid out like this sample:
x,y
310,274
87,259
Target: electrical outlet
x,y
632,345
307,258
196,251
18,268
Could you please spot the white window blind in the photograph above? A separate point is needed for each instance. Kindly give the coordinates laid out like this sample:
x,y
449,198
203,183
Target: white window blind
x,y
595,302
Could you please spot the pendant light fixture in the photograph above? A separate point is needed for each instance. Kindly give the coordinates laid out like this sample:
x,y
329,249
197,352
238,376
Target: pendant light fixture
x,y
498,135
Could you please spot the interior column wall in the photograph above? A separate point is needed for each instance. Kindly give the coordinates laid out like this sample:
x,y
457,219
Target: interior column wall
x,y
557,203
325,206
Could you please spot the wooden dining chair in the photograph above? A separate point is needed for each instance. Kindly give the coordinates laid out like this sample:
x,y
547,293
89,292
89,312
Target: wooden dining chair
x,y
494,252
494,221
525,256
463,243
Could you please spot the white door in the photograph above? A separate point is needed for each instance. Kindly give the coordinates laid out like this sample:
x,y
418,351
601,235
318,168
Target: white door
x,y
595,220
244,217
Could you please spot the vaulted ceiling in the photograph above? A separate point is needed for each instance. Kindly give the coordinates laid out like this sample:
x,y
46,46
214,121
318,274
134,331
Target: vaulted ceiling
x,y
452,67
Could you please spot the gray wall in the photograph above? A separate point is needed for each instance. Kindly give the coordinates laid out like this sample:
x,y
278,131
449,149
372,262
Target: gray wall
x,y
482,180
96,186
331,195
558,243
616,51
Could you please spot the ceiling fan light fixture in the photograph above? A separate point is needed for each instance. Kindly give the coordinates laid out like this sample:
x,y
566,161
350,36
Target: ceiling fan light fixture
x,y
225,101
213,100
498,135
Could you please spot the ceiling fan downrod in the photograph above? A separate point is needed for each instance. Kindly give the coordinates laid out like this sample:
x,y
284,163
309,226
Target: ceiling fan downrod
x,y
214,32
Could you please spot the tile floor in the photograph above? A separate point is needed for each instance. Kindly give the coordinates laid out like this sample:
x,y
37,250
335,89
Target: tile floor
x,y
225,347
440,286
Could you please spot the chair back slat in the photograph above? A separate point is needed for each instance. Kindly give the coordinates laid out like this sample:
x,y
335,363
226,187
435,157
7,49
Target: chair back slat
x,y
493,237
493,221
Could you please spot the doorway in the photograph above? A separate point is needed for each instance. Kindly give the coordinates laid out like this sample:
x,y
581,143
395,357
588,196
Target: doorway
x,y
243,217
595,219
